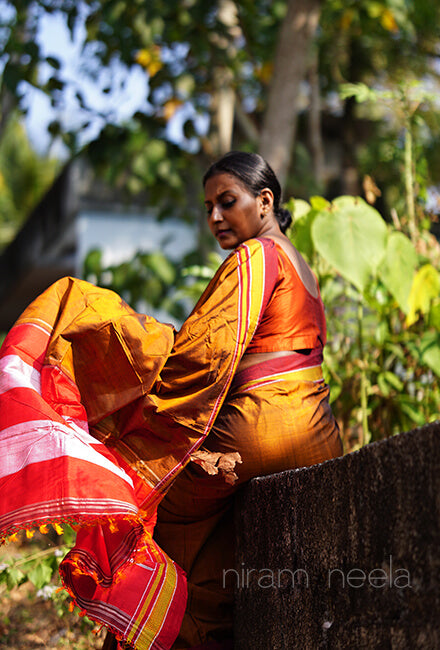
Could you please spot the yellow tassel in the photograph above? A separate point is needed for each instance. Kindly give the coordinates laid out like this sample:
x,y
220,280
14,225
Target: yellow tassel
x,y
44,529
58,529
13,537
29,533
71,606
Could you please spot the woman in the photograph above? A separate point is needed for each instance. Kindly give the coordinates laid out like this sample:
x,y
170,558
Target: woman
x,y
103,413
276,414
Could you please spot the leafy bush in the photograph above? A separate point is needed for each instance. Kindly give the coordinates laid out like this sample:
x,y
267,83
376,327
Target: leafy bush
x,y
382,296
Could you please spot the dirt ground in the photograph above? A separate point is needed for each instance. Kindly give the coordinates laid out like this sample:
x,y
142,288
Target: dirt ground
x,y
28,621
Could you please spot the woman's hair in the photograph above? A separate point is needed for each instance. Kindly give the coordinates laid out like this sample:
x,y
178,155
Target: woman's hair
x,y
255,174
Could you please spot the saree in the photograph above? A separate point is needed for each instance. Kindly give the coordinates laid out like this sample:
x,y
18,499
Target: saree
x,y
278,417
100,410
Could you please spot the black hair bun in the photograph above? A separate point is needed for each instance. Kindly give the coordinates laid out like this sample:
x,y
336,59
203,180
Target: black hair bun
x,y
284,218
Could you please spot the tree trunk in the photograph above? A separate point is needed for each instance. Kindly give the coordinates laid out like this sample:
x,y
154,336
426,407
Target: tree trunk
x,y
7,104
290,66
223,114
314,122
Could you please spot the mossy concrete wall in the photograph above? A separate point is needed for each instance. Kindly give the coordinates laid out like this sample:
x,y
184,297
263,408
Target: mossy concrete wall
x,y
345,554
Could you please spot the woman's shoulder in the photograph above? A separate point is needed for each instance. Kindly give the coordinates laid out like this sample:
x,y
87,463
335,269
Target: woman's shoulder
x,y
249,256
266,244
293,257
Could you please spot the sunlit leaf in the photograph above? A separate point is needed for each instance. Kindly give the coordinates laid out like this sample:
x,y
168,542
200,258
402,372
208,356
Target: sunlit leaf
x,y
14,577
40,574
388,21
393,380
425,287
301,234
319,202
398,268
351,236
416,416
299,208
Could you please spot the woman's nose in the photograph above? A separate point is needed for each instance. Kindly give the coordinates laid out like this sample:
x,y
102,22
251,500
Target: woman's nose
x,y
216,214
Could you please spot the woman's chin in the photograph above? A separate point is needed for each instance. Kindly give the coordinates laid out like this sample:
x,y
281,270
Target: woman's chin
x,y
226,241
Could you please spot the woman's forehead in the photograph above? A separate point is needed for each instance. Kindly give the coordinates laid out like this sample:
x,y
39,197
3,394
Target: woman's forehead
x,y
220,183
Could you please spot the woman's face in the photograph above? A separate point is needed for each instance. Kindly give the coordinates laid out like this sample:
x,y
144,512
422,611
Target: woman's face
x,y
234,214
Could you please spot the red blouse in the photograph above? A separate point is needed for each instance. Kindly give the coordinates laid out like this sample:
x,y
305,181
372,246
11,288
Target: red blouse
x,y
293,318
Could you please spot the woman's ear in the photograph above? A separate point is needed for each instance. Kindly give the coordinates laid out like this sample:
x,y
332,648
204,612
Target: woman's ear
x,y
266,199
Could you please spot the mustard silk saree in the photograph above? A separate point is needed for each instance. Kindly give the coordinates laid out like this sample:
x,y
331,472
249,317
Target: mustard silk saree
x,y
100,409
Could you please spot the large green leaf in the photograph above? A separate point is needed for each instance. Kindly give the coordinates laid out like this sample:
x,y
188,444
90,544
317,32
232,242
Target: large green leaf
x,y
424,289
351,236
398,268
301,234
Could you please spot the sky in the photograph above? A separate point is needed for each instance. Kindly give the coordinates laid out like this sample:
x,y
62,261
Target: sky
x,y
130,95
55,40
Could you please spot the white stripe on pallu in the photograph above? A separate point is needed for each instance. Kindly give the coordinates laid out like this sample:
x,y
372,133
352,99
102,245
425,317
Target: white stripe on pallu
x,y
16,373
65,508
105,613
152,604
35,441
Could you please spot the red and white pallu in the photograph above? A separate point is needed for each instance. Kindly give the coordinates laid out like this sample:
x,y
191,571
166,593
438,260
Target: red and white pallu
x,y
100,408
53,470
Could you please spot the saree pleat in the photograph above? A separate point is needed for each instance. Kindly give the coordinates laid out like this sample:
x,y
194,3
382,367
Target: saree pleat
x,y
100,410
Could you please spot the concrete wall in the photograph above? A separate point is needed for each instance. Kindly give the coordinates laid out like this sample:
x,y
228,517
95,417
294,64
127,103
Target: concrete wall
x,y
344,554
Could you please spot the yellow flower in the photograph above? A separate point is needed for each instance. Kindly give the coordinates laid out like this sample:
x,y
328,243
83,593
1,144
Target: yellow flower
x,y
388,21
150,60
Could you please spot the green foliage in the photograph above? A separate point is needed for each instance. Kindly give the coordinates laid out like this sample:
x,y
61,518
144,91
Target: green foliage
x,y
37,565
388,37
407,107
179,46
186,49
382,304
152,280
24,176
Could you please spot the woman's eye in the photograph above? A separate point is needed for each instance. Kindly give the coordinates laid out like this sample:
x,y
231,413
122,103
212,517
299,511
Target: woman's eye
x,y
228,204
